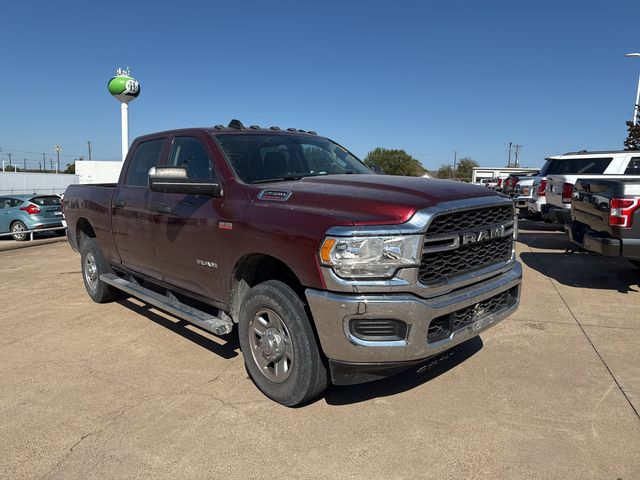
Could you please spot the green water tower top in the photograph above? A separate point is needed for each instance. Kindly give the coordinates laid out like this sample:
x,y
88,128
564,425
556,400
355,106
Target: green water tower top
x,y
123,86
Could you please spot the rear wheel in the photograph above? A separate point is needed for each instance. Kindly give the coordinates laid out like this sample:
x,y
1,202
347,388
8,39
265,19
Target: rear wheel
x,y
93,265
278,344
18,229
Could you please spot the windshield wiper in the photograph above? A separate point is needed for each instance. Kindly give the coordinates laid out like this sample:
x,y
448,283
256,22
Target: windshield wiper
x,y
286,178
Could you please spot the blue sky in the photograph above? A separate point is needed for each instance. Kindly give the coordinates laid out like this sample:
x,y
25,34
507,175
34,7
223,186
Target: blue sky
x,y
428,77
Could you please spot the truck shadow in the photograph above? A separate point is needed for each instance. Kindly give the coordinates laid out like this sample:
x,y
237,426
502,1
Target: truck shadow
x,y
201,338
411,378
585,270
548,240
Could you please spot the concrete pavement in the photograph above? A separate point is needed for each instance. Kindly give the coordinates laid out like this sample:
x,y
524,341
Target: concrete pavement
x,y
121,391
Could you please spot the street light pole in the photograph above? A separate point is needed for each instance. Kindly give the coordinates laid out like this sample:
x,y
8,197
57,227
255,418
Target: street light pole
x,y
635,108
58,153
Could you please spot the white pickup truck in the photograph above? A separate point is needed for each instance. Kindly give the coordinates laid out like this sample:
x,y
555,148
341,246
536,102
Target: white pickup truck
x,y
580,165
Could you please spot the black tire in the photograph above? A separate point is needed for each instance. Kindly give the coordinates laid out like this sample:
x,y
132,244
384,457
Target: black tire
x,y
92,265
18,226
278,344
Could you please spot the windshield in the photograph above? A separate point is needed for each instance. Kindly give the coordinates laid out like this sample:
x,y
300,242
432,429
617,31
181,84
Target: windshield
x,y
258,158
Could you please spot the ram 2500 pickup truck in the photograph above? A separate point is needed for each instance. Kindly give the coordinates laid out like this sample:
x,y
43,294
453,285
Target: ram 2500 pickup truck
x,y
606,217
331,273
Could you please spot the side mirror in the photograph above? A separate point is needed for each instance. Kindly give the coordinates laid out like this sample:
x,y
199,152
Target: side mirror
x,y
176,180
377,169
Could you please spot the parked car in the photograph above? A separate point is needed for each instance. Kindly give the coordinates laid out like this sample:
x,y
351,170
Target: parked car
x,y
522,192
570,167
21,213
509,184
605,216
487,182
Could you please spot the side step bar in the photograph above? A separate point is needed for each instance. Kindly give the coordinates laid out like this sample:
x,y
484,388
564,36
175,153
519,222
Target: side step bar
x,y
170,304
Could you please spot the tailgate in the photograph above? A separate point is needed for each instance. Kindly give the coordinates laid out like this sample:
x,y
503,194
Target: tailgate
x,y
591,203
554,190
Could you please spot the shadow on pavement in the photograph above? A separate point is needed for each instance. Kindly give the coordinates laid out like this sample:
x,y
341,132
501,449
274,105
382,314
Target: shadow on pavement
x,y
526,223
546,240
411,378
585,270
229,350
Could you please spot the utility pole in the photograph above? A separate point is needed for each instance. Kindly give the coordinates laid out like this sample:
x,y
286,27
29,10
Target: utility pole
x,y
455,159
89,144
509,160
9,155
517,148
25,164
51,164
58,152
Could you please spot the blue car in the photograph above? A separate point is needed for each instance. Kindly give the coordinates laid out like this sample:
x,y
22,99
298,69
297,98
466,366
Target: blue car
x,y
20,213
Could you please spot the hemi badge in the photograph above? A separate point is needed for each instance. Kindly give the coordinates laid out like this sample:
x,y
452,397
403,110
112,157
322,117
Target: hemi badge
x,y
225,225
280,195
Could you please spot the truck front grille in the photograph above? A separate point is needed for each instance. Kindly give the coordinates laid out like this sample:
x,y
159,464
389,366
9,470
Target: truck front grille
x,y
438,266
442,327
468,220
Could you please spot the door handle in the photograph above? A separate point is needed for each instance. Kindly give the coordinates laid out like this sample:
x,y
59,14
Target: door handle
x,y
161,208
118,203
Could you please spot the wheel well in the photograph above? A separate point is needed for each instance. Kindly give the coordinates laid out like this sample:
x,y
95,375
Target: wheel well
x,y
257,268
83,229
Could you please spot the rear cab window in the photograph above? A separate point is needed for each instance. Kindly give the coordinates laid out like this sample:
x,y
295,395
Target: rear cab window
x,y
576,166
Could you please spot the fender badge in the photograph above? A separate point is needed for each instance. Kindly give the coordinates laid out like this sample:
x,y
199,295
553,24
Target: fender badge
x,y
225,225
278,195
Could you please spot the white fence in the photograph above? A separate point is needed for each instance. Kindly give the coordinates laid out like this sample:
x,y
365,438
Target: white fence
x,y
16,183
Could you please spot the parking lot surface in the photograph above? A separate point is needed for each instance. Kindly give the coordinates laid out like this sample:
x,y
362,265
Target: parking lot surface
x,y
121,391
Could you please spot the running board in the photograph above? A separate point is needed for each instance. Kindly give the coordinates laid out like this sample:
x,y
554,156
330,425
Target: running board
x,y
170,304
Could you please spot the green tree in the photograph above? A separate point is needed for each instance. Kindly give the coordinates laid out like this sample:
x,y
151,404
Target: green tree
x,y
445,171
632,142
465,168
395,162
71,168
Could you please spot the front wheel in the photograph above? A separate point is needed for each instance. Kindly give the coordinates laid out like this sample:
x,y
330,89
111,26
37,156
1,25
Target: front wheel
x,y
18,229
278,344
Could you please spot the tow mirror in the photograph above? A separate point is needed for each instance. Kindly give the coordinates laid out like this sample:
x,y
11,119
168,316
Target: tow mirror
x,y
176,180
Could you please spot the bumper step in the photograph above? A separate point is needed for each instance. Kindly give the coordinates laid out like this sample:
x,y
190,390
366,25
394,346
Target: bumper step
x,y
169,303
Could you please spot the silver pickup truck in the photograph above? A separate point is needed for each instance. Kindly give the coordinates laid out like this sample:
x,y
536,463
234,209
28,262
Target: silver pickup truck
x,y
581,165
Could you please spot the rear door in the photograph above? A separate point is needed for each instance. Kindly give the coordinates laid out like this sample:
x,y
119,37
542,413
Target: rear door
x,y
132,221
186,226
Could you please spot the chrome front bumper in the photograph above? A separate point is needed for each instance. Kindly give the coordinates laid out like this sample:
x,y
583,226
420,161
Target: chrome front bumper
x,y
332,313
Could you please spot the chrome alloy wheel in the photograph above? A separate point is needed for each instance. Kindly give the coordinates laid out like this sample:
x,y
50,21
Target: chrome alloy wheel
x,y
91,271
271,345
17,230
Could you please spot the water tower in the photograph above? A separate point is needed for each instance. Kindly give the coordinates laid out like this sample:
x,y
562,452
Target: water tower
x,y
124,88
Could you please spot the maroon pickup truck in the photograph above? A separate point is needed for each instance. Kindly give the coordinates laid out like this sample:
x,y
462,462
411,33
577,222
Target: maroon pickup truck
x,y
333,274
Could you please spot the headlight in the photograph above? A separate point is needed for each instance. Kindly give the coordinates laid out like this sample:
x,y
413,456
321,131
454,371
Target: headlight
x,y
370,257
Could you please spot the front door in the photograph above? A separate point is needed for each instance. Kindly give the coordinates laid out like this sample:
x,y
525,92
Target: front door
x,y
186,226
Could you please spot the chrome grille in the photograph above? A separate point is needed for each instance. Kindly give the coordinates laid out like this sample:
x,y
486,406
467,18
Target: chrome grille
x,y
440,263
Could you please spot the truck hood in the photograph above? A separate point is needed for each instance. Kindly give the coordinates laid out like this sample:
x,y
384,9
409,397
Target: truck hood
x,y
368,199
